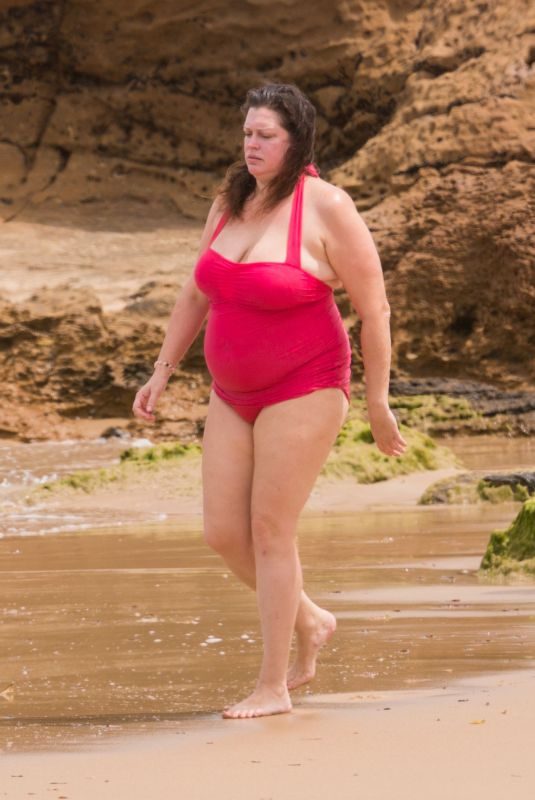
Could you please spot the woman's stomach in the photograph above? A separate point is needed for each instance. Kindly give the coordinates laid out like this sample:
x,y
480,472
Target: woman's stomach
x,y
249,350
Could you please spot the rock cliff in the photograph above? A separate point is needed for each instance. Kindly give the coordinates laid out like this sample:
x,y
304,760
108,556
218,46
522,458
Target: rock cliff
x,y
426,116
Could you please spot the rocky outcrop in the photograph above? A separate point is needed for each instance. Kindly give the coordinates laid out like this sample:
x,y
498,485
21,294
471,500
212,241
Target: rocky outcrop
x,y
128,98
61,357
513,479
475,487
466,406
426,116
460,267
513,550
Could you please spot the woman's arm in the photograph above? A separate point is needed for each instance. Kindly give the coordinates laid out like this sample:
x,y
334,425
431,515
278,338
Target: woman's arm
x,y
352,254
187,317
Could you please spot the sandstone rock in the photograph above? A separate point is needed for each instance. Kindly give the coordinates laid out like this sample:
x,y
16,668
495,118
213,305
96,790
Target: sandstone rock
x,y
59,351
12,166
461,285
153,299
426,116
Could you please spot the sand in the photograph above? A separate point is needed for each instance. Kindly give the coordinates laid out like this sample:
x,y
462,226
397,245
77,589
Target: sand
x,y
471,739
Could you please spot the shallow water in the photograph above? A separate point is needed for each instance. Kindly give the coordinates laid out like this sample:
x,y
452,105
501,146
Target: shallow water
x,y
26,465
491,453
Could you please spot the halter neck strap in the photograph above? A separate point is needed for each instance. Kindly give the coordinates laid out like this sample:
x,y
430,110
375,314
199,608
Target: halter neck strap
x,y
223,219
293,250
311,169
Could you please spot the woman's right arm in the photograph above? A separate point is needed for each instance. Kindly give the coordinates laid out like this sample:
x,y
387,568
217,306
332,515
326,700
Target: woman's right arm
x,y
187,317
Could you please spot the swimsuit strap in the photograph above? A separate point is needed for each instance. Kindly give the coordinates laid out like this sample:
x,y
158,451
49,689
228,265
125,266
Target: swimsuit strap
x,y
222,220
293,250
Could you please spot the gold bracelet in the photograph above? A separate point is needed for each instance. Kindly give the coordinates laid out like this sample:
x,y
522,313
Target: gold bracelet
x,y
166,364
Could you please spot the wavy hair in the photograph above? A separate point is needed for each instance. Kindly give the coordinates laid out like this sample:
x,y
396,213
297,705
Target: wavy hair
x,y
298,116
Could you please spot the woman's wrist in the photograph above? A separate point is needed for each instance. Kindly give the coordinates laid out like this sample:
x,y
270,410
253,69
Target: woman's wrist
x,y
163,366
377,404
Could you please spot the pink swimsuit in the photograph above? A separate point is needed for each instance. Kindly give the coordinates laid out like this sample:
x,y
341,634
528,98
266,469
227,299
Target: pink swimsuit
x,y
274,331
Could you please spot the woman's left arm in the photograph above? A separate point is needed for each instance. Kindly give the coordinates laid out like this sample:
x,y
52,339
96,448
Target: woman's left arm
x,y
352,254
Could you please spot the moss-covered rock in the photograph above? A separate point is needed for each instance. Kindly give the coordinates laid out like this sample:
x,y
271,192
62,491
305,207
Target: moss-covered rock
x,y
458,489
468,488
433,410
158,452
131,460
501,493
513,550
355,454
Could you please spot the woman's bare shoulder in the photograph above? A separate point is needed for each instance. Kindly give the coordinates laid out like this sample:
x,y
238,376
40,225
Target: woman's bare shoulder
x,y
328,198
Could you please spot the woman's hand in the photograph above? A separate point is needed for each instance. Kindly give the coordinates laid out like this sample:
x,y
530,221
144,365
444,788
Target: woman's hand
x,y
147,396
385,431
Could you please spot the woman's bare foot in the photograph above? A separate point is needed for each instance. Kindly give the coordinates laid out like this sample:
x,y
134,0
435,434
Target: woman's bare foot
x,y
310,639
261,703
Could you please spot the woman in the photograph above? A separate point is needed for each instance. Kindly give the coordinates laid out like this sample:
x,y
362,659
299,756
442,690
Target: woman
x,y
277,241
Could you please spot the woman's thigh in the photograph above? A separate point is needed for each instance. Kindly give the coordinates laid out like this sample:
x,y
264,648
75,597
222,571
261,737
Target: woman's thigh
x,y
292,440
227,470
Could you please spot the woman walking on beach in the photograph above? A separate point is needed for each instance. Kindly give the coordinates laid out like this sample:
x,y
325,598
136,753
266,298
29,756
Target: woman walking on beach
x,y
277,240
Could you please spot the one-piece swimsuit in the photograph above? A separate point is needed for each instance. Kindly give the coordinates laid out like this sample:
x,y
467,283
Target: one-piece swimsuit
x,y
274,331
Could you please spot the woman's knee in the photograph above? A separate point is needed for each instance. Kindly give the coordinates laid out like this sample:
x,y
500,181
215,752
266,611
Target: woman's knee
x,y
271,533
216,537
225,538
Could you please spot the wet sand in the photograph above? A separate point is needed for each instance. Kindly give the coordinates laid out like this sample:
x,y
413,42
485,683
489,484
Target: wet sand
x,y
471,739
122,644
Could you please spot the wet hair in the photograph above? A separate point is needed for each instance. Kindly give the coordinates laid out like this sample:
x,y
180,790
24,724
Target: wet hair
x,y
298,116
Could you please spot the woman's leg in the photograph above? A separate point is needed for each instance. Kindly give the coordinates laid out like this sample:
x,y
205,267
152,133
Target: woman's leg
x,y
291,441
227,474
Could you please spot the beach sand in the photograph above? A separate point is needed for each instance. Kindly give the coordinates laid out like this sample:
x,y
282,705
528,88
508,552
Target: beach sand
x,y
466,736
470,739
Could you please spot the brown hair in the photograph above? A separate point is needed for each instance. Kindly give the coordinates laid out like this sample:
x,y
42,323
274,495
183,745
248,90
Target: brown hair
x,y
298,116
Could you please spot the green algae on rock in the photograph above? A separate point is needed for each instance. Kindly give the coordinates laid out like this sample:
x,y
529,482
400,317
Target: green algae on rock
x,y
513,550
436,413
355,454
468,488
130,460
159,452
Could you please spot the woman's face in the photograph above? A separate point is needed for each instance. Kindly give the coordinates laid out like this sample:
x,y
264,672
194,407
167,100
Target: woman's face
x,y
265,142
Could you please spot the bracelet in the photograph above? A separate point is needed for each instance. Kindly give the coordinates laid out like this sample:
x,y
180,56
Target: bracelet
x,y
166,364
